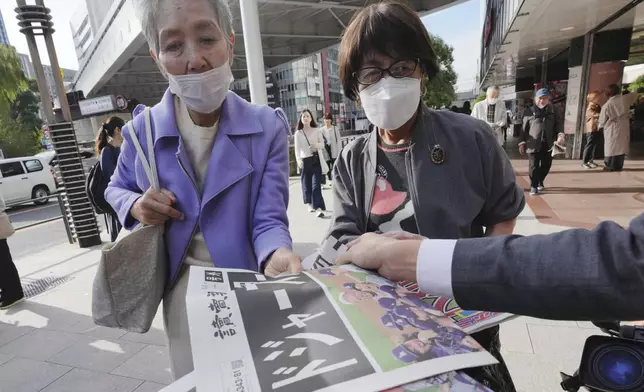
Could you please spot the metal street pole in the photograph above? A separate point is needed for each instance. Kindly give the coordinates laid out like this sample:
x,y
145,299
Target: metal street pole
x,y
254,52
77,209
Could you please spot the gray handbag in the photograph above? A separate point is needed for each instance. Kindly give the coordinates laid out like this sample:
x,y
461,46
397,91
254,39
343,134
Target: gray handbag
x,y
131,276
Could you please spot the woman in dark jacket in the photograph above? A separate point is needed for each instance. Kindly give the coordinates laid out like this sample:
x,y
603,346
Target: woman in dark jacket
x,y
108,148
434,173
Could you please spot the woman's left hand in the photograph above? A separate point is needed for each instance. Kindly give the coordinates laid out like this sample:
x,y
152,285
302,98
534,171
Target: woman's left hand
x,y
283,260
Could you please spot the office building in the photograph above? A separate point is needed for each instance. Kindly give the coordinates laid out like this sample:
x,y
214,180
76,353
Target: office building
x,y
82,32
4,37
97,10
27,66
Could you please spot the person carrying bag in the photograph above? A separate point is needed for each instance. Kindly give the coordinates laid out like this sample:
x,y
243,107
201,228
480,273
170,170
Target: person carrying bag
x,y
10,289
131,276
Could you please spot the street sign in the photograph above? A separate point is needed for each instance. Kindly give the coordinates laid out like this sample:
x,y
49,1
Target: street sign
x,y
121,102
97,105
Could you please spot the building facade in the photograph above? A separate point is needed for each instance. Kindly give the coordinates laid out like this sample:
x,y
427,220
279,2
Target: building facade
x,y
4,37
570,47
27,66
97,10
82,32
301,87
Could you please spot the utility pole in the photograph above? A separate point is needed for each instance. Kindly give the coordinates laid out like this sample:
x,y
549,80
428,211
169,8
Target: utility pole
x,y
77,209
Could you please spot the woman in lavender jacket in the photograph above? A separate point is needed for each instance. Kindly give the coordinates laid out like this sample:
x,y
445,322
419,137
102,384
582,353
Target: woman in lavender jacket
x,y
222,162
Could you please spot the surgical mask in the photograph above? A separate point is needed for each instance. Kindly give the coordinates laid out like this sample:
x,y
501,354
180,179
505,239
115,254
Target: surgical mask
x,y
203,92
492,101
541,106
391,102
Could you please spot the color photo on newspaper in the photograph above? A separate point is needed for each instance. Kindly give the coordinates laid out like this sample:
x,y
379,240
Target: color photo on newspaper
x,y
337,329
469,321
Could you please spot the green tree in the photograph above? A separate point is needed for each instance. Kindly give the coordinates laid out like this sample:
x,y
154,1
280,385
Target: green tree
x,y
12,79
440,90
479,99
637,86
25,107
17,139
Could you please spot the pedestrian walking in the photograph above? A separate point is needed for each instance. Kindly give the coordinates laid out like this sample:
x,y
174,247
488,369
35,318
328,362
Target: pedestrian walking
x,y
108,148
614,119
592,130
309,143
492,110
10,289
541,126
332,142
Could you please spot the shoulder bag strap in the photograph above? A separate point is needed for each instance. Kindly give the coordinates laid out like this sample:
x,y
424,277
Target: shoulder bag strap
x,y
149,167
306,137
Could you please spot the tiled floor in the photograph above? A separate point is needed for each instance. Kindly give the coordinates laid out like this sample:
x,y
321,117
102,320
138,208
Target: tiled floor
x,y
50,343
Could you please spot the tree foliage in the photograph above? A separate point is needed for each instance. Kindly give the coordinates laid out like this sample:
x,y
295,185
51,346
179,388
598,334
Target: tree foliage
x,y
479,99
440,89
638,85
16,139
12,79
26,107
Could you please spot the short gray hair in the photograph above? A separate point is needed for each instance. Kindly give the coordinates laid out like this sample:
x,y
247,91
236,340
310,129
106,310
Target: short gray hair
x,y
147,12
491,89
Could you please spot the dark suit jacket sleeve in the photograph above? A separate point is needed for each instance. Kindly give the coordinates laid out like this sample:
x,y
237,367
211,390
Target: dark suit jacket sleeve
x,y
574,275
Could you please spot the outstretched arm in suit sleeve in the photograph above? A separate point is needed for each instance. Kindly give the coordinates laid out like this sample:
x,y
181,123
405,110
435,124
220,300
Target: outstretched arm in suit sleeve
x,y
575,274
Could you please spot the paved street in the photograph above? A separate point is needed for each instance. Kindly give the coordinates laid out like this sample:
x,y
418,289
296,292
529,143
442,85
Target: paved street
x,y
50,344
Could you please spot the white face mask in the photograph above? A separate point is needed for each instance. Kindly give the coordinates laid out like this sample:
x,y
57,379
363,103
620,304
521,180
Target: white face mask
x,y
391,102
203,92
541,106
492,101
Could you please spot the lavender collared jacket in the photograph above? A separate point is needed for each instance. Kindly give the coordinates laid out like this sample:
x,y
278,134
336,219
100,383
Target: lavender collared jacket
x,y
242,211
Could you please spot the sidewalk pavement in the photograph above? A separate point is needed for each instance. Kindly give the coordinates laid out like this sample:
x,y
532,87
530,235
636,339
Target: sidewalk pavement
x,y
50,344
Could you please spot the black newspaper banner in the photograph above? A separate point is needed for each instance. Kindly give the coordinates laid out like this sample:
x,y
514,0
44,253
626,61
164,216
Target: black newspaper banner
x,y
307,349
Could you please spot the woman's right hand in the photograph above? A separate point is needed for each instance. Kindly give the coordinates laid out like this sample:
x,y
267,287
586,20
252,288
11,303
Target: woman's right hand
x,y
155,207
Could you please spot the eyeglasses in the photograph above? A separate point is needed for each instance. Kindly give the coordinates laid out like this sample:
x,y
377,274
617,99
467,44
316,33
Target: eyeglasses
x,y
400,69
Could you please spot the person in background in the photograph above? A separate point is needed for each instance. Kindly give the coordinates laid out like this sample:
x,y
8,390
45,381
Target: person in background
x,y
431,172
466,109
332,141
10,288
108,149
492,111
222,162
309,141
592,129
454,109
541,126
614,120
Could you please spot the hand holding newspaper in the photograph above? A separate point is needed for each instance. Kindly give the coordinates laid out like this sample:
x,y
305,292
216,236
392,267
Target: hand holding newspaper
x,y
332,329
328,329
469,321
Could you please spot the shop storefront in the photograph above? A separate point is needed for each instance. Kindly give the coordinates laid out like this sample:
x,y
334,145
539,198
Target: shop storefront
x,y
571,47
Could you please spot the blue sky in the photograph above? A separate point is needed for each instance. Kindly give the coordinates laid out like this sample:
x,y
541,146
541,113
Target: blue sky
x,y
459,26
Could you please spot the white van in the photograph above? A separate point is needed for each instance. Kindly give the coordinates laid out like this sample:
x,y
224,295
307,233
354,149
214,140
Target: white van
x,y
26,179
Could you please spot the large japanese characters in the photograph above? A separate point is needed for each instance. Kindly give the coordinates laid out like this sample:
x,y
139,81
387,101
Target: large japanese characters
x,y
339,329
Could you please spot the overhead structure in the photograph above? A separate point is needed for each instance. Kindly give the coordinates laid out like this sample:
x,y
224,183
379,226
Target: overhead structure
x,y
119,61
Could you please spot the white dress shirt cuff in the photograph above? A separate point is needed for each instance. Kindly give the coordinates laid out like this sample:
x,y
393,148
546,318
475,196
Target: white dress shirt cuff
x,y
434,267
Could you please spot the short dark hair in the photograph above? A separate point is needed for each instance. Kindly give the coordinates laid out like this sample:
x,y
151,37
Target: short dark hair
x,y
612,90
300,125
328,116
388,28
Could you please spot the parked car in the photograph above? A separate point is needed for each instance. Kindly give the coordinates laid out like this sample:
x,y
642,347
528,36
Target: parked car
x,y
26,179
